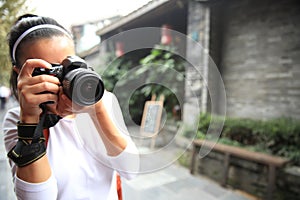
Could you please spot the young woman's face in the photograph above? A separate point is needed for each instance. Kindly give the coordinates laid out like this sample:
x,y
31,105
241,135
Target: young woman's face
x,y
52,50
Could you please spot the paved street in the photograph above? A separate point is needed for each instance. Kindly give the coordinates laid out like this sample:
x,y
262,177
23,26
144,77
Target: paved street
x,y
6,186
175,182
171,182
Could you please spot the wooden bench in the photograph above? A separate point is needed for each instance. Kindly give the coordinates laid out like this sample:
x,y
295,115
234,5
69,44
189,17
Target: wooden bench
x,y
272,162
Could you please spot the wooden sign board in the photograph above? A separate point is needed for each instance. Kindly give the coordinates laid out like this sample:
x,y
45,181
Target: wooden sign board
x,y
151,118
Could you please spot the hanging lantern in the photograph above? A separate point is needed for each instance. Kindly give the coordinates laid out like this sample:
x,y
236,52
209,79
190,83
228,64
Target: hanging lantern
x,y
119,49
166,36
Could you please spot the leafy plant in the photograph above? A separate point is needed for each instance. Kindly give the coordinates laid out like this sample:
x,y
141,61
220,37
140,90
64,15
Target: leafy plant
x,y
116,68
275,136
162,63
160,72
163,70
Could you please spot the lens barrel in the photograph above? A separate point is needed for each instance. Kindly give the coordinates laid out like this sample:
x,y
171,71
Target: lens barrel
x,y
84,87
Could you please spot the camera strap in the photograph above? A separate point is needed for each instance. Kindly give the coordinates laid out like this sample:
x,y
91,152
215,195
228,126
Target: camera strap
x,y
51,120
31,140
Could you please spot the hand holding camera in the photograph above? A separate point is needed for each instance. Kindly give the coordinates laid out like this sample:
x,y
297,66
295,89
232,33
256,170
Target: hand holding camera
x,y
79,83
30,89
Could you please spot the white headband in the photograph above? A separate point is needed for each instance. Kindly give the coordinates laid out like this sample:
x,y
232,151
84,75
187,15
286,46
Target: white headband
x,y
33,29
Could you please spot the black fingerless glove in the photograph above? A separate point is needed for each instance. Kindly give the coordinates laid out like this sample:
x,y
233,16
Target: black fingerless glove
x,y
30,146
31,141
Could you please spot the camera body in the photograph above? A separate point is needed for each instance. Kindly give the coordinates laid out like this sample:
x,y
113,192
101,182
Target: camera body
x,y
79,81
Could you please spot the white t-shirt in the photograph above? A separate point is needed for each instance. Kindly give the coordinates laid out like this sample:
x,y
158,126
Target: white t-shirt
x,y
81,169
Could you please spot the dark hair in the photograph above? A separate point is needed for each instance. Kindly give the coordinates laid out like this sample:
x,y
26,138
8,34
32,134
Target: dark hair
x,y
22,24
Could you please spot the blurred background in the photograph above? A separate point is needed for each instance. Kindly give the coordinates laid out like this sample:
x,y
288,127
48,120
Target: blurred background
x,y
237,63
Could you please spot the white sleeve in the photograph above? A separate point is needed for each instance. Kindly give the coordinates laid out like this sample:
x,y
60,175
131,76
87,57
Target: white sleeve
x,y
34,191
24,190
9,128
127,163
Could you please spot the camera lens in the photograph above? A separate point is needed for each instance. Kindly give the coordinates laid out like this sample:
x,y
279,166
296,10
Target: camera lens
x,y
88,89
83,87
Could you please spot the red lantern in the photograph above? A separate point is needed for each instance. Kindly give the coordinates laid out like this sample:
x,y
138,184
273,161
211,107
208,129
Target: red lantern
x,y
166,36
119,49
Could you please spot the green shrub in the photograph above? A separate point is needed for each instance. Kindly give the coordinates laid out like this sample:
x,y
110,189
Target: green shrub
x,y
159,71
279,137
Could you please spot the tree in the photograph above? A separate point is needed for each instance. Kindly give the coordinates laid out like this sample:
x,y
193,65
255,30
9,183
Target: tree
x,y
9,9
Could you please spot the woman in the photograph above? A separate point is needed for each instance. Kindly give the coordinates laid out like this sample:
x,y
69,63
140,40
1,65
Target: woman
x,y
85,147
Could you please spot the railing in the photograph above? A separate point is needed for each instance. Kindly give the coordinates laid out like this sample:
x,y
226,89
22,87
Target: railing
x,y
272,162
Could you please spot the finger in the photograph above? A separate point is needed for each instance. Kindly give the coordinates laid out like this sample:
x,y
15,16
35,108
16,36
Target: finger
x,y
48,97
44,87
38,84
36,100
44,78
31,64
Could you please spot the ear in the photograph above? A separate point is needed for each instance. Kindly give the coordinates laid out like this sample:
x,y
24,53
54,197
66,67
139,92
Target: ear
x,y
16,69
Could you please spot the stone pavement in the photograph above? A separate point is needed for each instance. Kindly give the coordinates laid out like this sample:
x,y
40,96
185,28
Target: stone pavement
x,y
176,183
170,182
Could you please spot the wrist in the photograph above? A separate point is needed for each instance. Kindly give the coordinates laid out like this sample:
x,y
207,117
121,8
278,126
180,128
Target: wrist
x,y
97,109
26,119
30,146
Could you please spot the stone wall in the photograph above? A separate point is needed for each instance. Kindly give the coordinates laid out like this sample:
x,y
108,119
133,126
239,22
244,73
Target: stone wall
x,y
255,45
260,57
195,90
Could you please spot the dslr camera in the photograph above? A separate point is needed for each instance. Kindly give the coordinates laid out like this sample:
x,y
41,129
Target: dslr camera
x,y
79,81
